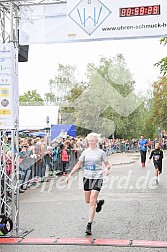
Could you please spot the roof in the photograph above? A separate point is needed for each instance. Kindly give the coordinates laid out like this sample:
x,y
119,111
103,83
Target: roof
x,y
34,117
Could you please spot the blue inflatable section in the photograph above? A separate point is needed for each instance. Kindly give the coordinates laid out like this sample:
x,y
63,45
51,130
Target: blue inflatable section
x,y
56,129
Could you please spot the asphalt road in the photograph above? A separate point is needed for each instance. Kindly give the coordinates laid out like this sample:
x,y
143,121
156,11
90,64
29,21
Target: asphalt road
x,y
134,209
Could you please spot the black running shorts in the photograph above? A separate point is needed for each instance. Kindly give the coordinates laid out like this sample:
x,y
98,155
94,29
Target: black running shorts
x,y
92,184
158,166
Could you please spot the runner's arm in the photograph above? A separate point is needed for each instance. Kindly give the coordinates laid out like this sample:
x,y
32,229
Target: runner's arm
x,y
76,167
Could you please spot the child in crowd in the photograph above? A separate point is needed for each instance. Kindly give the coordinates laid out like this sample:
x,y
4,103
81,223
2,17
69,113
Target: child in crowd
x,y
157,155
64,159
55,160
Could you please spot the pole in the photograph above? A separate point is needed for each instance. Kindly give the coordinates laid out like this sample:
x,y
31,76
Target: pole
x,y
9,180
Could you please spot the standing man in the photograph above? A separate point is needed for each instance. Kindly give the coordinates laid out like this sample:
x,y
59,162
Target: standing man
x,y
143,143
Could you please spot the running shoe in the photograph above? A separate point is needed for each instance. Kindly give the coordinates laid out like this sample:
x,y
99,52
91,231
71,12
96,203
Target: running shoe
x,y
100,203
88,229
156,182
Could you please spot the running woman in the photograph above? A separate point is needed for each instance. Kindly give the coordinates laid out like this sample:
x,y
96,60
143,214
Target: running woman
x,y
157,155
92,158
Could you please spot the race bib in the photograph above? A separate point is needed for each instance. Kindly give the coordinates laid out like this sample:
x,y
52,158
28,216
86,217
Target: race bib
x,y
156,157
90,167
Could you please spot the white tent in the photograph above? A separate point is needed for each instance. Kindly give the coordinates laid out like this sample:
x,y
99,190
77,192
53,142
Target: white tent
x,y
34,117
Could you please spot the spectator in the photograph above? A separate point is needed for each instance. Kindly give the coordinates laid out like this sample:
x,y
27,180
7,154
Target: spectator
x,y
64,159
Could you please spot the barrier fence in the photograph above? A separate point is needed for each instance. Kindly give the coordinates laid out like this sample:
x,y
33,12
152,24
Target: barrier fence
x,y
36,169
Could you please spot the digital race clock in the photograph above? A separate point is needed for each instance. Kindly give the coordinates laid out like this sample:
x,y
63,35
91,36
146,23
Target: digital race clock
x,y
139,11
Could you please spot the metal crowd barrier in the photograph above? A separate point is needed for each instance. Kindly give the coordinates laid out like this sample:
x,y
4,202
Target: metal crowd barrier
x,y
33,170
122,148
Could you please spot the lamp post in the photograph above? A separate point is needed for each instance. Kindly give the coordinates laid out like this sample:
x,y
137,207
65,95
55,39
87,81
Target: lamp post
x,y
47,130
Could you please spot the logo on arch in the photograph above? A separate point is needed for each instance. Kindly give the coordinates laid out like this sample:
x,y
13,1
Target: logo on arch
x,y
89,15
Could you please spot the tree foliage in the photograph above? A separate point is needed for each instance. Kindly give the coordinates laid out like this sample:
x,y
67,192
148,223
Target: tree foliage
x,y
31,98
68,112
98,105
60,85
163,62
149,118
103,103
160,102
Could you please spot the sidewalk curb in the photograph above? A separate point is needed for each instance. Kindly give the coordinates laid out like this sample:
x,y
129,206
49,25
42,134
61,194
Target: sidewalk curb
x,y
131,162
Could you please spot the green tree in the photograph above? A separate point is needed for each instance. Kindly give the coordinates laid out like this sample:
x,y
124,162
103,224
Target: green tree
x,y
69,113
50,98
116,73
107,81
160,102
149,119
60,85
31,98
163,62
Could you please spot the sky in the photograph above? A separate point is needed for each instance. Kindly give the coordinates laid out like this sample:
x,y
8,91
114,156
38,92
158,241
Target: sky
x,y
140,56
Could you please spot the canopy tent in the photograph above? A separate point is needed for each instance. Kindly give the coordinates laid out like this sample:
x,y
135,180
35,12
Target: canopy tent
x,y
37,134
56,129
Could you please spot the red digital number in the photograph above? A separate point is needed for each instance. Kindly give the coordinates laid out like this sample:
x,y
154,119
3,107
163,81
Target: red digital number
x,y
123,12
141,11
150,10
129,11
137,11
155,10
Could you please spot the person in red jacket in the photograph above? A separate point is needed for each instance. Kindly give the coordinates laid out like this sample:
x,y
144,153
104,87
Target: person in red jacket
x,y
64,159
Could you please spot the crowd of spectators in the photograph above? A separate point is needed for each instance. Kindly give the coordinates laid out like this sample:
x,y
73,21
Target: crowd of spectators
x,y
37,157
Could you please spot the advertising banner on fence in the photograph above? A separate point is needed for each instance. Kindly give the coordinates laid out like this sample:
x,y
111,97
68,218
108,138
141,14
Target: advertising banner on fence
x,y
8,86
84,20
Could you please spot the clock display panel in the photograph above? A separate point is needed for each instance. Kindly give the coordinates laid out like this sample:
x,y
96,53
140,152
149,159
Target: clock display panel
x,y
139,11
